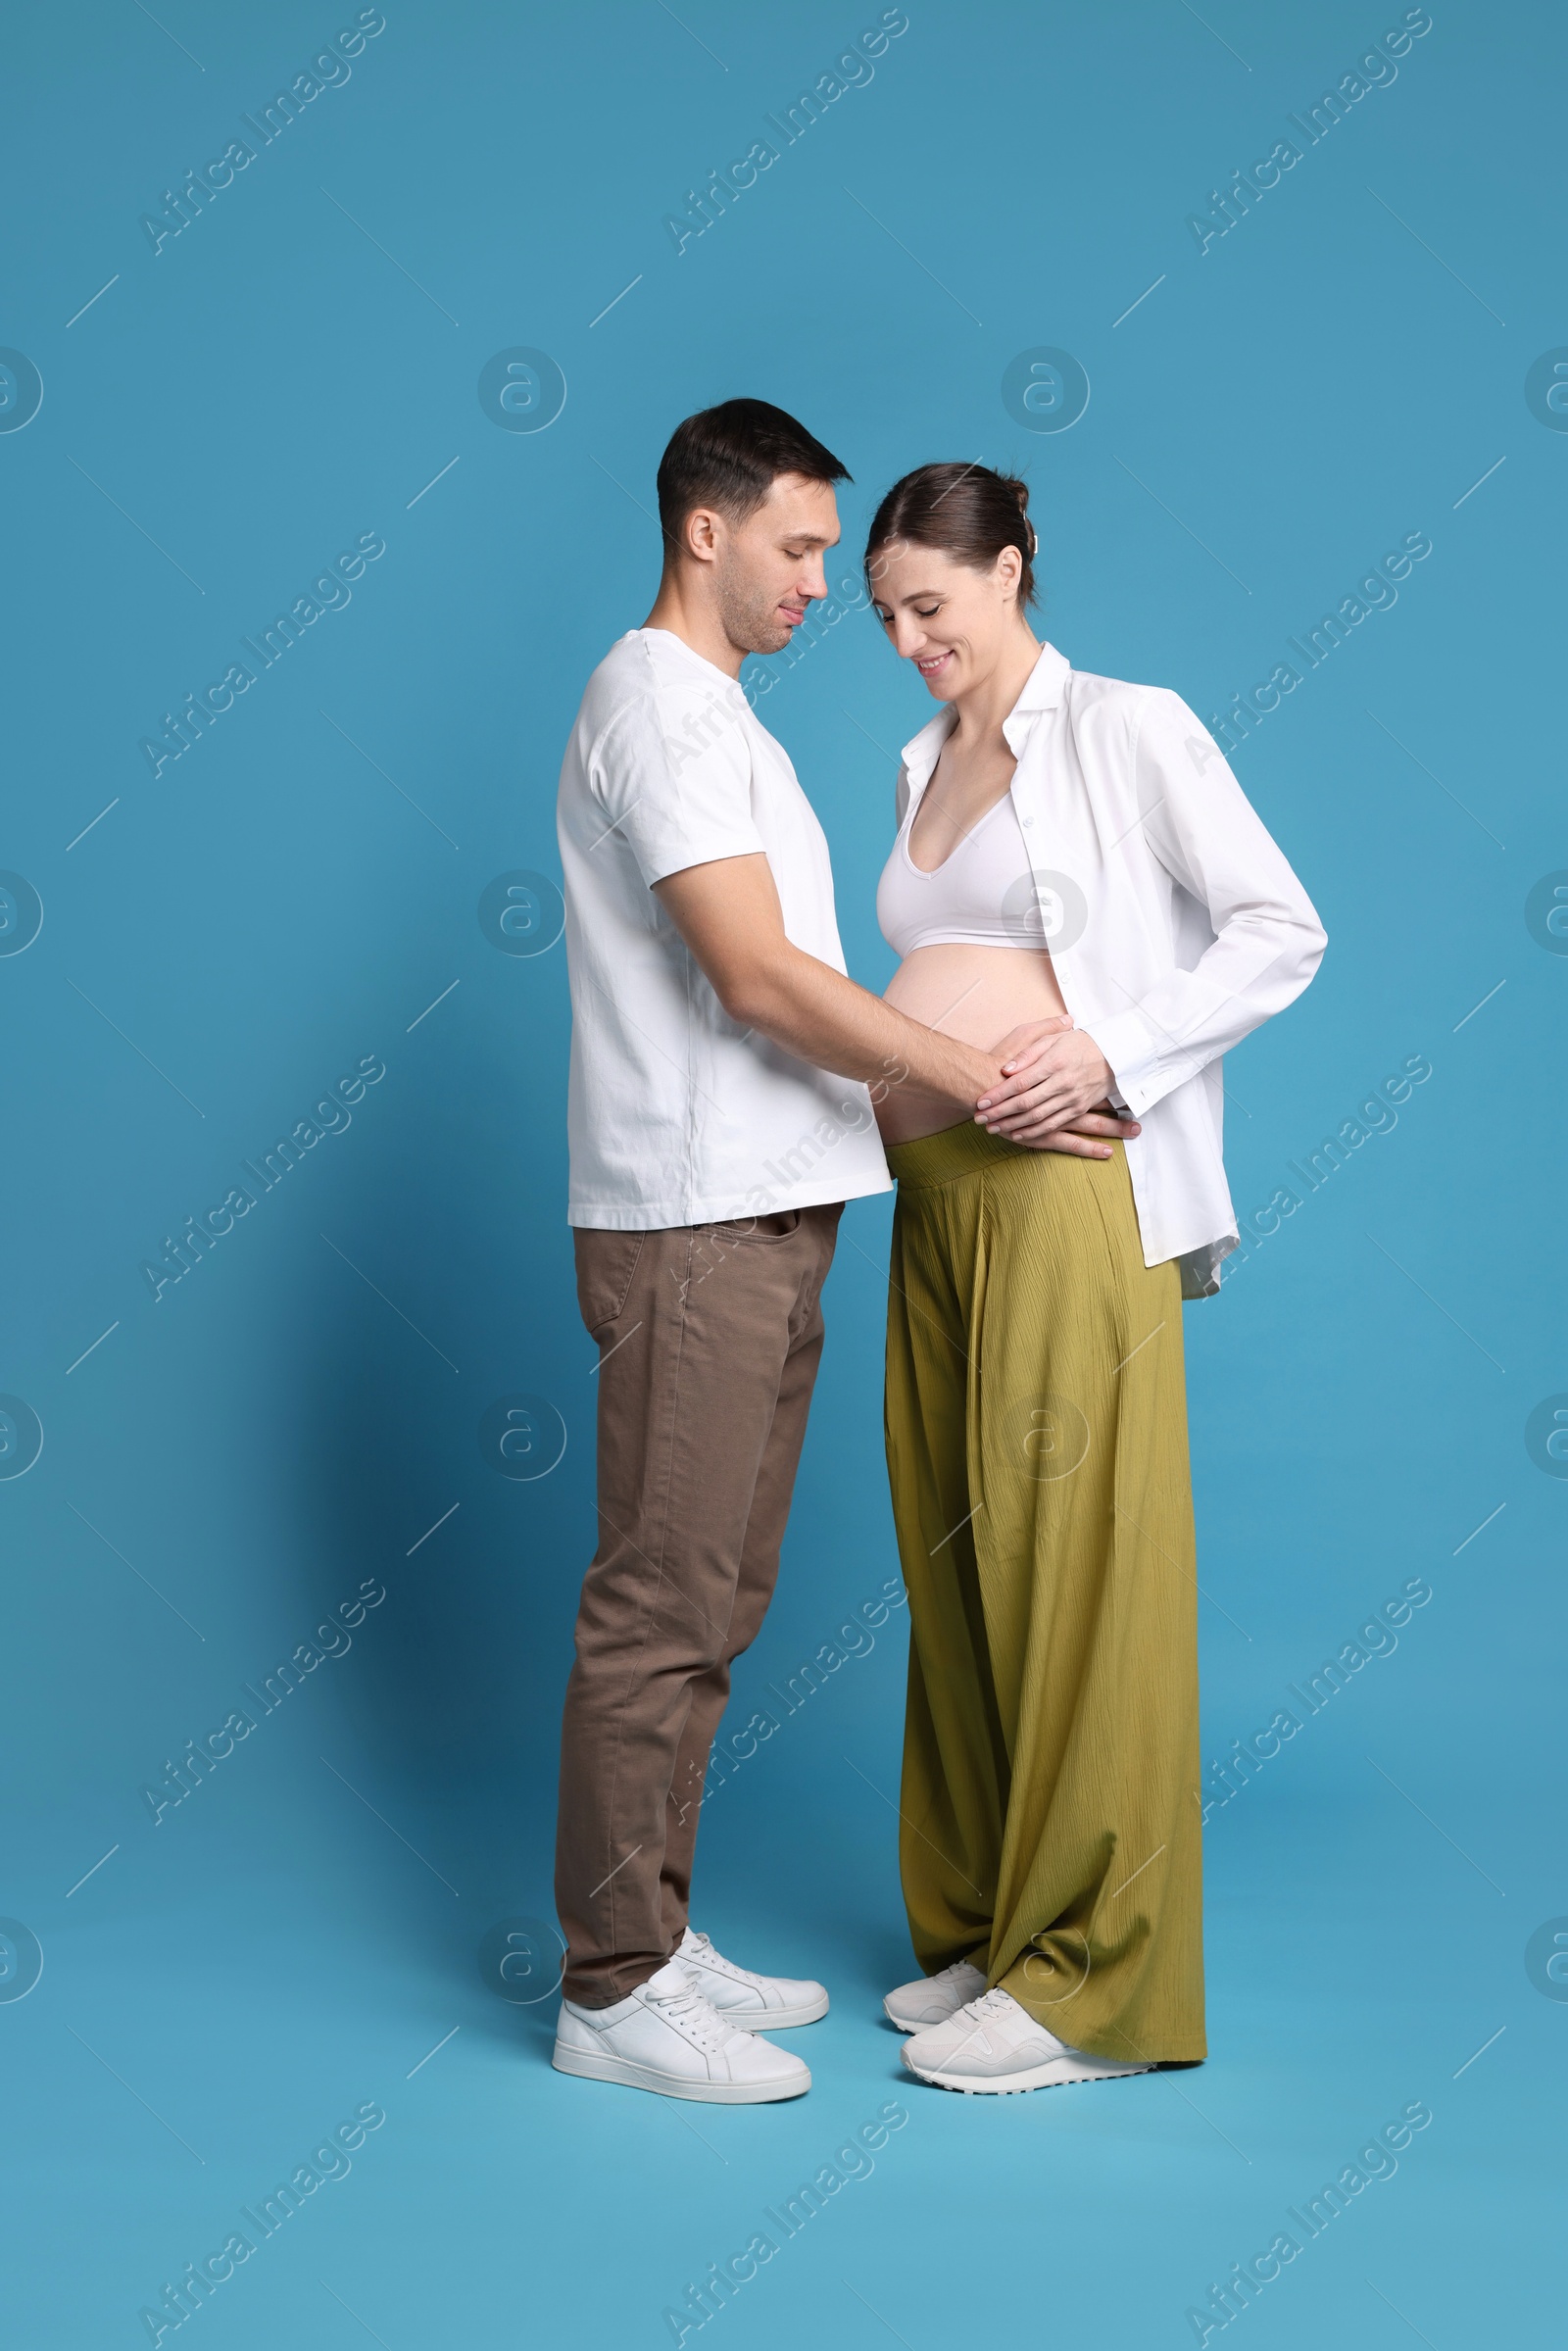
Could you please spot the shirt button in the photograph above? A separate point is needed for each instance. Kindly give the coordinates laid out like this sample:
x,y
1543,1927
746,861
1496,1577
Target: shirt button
x,y
1027,820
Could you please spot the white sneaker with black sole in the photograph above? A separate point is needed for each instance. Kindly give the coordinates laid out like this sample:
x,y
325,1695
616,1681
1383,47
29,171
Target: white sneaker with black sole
x,y
668,2038
992,2045
757,2004
932,1999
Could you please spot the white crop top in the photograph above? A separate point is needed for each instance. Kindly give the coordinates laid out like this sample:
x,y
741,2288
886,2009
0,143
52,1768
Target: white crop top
x,y
981,896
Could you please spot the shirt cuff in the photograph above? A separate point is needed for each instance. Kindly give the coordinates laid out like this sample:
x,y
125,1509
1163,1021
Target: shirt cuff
x,y
657,859
1139,1074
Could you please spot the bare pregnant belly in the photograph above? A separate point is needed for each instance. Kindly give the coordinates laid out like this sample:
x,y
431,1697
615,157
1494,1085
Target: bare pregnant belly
x,y
976,993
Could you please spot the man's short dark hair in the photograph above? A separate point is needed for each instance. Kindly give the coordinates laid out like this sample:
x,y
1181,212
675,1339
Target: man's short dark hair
x,y
729,457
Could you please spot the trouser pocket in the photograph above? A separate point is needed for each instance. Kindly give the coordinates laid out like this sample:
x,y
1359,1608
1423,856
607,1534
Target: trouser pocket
x,y
606,1264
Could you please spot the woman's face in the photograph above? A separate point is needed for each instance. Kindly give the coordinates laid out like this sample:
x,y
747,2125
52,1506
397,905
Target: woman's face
x,y
953,621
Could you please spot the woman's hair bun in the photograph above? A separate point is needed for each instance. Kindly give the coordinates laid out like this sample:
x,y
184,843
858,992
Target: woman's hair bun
x,y
969,512
1020,491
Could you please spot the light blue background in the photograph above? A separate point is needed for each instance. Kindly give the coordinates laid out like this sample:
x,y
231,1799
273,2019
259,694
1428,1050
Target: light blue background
x,y
226,939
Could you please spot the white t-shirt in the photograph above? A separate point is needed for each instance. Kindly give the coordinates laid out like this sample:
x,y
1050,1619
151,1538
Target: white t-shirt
x,y
678,1115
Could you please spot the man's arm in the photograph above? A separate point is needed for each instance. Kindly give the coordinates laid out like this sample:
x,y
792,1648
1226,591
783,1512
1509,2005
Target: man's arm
x,y
728,913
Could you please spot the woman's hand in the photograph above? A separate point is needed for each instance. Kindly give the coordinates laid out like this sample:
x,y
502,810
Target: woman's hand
x,y
1053,1086
1017,1044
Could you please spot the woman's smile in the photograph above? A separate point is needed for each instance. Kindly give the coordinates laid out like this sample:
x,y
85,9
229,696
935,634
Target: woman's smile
x,y
932,665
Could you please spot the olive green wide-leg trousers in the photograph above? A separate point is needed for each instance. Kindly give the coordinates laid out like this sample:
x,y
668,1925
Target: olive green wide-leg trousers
x,y
1036,1451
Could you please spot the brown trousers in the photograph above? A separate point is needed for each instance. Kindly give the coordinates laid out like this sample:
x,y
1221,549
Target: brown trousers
x,y
710,1337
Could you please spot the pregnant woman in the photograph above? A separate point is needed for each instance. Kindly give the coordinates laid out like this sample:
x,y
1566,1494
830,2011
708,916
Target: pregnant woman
x,y
1076,864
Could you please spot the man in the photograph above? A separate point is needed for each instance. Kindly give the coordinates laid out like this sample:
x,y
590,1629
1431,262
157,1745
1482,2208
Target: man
x,y
712,1153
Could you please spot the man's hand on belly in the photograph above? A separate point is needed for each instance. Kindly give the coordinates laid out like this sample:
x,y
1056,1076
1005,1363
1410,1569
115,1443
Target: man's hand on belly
x,y
1052,1094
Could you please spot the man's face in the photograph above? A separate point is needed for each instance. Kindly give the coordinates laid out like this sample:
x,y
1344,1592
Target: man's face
x,y
767,569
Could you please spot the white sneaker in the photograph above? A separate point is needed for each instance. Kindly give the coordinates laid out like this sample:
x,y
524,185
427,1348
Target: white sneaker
x,y
992,2045
934,1998
744,1998
666,2037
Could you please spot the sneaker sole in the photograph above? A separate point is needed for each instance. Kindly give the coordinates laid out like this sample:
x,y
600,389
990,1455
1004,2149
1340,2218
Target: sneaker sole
x,y
591,2065
1060,2073
776,2019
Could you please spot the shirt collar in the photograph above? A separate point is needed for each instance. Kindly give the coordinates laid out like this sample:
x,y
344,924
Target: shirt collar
x,y
664,643
1043,691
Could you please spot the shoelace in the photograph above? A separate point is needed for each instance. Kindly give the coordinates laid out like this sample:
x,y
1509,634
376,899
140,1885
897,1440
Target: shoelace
x,y
995,2002
703,1954
693,2014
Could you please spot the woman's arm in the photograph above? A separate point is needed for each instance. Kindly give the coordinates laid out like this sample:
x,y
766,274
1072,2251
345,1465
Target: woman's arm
x,y
1268,941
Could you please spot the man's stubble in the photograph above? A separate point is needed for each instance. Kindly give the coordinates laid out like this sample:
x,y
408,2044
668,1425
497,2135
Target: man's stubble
x,y
750,618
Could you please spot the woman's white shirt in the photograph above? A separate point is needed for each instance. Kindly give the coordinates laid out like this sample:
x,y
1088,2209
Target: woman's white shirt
x,y
1175,925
